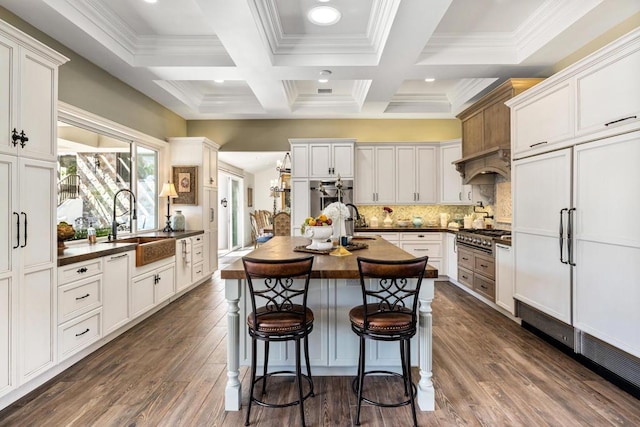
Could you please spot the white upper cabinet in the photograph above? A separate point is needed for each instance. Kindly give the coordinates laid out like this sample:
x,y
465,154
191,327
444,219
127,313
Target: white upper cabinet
x,y
544,120
375,174
416,174
452,192
28,95
609,94
322,158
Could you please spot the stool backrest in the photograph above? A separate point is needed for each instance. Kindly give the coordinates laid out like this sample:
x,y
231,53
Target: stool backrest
x,y
398,285
283,280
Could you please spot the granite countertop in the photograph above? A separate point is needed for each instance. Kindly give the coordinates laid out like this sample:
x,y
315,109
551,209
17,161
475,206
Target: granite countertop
x,y
324,266
85,251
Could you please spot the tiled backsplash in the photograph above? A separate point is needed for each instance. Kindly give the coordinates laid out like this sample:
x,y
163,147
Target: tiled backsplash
x,y
427,212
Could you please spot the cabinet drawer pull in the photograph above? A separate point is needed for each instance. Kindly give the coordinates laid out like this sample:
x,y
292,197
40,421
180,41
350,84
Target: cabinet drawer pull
x,y
537,143
82,270
82,297
421,250
117,256
83,332
421,236
483,287
621,120
465,259
484,266
464,277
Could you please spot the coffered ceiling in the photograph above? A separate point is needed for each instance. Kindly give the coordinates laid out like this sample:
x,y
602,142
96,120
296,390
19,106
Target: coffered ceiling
x,y
217,59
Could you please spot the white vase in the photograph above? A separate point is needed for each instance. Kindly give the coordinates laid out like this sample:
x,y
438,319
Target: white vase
x,y
388,222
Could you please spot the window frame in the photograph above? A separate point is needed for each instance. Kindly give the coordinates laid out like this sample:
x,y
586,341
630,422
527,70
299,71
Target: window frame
x,y
83,119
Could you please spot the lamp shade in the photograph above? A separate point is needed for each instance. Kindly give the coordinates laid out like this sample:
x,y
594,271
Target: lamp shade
x,y
168,190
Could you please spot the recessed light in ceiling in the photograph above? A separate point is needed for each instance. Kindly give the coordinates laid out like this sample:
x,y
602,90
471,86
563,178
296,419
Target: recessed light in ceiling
x,y
429,80
324,76
219,81
151,1
324,15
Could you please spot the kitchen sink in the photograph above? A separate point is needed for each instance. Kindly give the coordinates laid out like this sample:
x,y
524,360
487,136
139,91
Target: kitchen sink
x,y
150,249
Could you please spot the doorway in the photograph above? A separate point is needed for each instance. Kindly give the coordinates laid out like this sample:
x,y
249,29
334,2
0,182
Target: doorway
x,y
229,225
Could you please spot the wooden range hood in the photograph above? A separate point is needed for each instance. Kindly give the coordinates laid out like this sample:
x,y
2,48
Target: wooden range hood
x,y
486,134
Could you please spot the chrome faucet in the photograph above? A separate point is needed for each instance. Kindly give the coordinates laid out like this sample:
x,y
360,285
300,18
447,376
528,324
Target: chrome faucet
x,y
114,223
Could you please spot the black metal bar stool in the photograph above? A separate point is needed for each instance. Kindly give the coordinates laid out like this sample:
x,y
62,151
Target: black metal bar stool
x,y
388,313
282,317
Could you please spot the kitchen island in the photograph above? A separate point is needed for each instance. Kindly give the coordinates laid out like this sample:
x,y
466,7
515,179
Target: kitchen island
x,y
333,290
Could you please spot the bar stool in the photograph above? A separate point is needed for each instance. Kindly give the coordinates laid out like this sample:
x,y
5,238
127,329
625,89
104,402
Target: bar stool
x,y
388,313
283,317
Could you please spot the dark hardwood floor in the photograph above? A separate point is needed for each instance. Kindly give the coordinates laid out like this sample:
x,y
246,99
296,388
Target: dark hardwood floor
x,y
170,371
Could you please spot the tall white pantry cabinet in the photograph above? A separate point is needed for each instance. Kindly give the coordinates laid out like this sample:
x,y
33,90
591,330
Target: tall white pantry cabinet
x,y
28,113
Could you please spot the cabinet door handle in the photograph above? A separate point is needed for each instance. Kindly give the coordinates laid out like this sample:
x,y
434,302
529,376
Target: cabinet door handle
x,y
83,332
610,123
82,297
570,237
537,143
469,195
17,230
211,215
561,237
15,137
117,256
210,180
82,270
460,195
23,139
25,229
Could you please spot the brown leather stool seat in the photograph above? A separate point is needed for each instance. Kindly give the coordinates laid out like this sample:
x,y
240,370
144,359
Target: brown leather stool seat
x,y
282,286
388,313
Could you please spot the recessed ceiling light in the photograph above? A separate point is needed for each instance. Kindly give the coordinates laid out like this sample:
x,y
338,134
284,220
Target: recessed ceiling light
x,y
429,80
219,81
151,1
323,1
324,15
324,76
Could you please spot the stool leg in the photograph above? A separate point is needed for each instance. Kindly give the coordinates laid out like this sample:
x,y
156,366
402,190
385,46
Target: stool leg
x,y
306,359
409,382
253,378
264,368
403,360
299,381
361,368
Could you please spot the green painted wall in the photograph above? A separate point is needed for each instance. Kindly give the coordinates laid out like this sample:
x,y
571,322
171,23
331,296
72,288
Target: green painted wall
x,y
273,135
87,86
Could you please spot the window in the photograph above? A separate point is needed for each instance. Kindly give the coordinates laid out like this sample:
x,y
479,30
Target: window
x,y
92,168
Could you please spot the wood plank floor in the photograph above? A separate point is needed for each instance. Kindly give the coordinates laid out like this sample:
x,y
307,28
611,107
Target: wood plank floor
x,y
170,371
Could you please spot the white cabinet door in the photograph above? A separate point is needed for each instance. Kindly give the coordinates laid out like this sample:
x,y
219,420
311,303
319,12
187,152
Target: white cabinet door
x,y
541,188
406,175
607,249
427,176
183,263
452,257
504,278
37,106
385,174
8,67
299,160
450,179
364,182
320,160
141,293
6,342
608,94
544,120
376,175
115,304
211,251
165,285
300,204
342,160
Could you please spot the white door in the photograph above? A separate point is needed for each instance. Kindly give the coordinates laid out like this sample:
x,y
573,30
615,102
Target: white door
x,y
319,160
406,176
385,174
541,189
365,175
342,160
451,181
427,175
607,253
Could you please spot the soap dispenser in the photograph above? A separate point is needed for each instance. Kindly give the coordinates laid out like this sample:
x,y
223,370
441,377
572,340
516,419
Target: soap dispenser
x,y
91,234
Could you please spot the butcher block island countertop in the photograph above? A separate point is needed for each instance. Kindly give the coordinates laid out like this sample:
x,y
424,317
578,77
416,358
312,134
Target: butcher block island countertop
x,y
324,266
334,289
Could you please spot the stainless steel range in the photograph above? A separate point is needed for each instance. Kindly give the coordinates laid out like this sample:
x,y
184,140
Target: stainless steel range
x,y
476,260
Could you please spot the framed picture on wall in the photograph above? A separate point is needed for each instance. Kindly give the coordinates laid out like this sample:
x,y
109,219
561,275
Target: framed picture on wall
x,y
185,179
249,197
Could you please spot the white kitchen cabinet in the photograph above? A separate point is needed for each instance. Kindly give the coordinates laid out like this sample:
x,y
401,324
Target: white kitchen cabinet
x,y
416,168
544,120
79,297
607,92
424,244
203,216
183,262
452,191
152,287
451,267
7,371
541,189
28,95
607,250
504,278
300,204
322,157
375,174
115,302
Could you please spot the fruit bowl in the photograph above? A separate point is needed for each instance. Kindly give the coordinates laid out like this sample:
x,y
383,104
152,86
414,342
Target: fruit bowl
x,y
319,236
403,222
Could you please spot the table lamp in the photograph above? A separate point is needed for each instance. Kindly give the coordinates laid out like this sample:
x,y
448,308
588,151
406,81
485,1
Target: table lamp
x,y
168,191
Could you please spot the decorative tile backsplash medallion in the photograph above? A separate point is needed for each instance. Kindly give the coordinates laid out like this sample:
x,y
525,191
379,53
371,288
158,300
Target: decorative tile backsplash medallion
x,y
503,202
